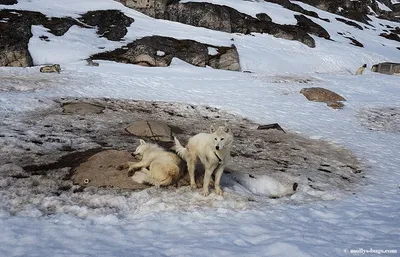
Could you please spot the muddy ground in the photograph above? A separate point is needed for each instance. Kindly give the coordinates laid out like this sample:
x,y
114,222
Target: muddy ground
x,y
41,150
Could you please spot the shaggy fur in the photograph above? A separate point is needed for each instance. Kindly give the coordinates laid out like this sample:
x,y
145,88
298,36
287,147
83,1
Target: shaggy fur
x,y
213,150
156,166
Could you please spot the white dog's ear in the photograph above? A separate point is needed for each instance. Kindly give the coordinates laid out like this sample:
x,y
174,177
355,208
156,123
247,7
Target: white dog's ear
x,y
212,129
142,142
227,129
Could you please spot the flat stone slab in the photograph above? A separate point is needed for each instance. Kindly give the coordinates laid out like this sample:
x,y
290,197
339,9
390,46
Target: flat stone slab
x,y
152,129
82,108
100,171
319,94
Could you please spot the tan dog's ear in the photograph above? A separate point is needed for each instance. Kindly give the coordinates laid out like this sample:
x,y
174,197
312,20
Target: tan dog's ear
x,y
212,129
142,142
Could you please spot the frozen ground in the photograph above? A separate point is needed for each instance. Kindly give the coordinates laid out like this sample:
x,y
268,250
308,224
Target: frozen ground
x,y
367,219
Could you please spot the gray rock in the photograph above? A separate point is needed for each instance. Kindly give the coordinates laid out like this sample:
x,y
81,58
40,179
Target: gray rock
x,y
152,129
8,2
318,94
145,52
112,24
263,17
82,108
226,59
218,17
308,25
16,32
355,10
390,68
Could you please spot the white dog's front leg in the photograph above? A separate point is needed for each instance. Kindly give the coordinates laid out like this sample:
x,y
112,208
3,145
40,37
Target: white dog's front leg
x,y
207,177
218,175
135,166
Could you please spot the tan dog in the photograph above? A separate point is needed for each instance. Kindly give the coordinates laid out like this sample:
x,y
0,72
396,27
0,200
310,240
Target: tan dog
x,y
51,68
361,69
213,150
156,166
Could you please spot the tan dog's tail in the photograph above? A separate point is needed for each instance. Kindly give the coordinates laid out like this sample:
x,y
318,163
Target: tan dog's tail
x,y
179,149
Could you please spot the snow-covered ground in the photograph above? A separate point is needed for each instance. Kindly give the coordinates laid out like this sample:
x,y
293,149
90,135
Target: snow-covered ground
x,y
368,219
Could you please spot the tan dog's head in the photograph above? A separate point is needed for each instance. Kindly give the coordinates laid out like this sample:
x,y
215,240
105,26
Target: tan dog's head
x,y
141,149
222,137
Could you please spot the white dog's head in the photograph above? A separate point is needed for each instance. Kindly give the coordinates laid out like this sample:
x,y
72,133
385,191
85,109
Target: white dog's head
x,y
141,149
222,137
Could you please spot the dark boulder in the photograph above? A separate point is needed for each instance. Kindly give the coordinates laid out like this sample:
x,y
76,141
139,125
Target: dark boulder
x,y
350,23
112,24
16,32
355,10
8,2
263,17
391,36
308,25
158,51
355,42
297,8
218,17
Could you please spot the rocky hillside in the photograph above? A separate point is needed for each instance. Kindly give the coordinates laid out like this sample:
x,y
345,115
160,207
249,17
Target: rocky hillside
x,y
330,20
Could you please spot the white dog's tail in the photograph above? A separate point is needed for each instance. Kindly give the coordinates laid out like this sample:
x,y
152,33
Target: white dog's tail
x,y
179,149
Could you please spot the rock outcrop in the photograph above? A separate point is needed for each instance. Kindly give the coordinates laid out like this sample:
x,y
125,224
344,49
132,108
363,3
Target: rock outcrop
x,y
389,68
355,10
8,2
218,17
158,51
111,24
308,25
15,31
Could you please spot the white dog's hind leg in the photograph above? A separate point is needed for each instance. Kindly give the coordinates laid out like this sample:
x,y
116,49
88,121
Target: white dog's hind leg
x,y
140,177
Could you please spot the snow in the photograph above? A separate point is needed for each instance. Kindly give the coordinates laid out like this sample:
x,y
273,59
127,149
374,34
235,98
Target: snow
x,y
160,53
383,7
212,51
181,222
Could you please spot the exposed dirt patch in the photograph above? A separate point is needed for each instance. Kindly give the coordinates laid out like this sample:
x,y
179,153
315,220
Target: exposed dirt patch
x,y
381,119
44,148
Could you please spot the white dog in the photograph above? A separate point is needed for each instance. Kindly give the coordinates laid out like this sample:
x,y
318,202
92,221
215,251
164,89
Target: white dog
x,y
157,166
213,150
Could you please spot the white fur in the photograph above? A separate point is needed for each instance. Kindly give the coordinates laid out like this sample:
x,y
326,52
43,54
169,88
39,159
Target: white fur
x,y
157,166
213,149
